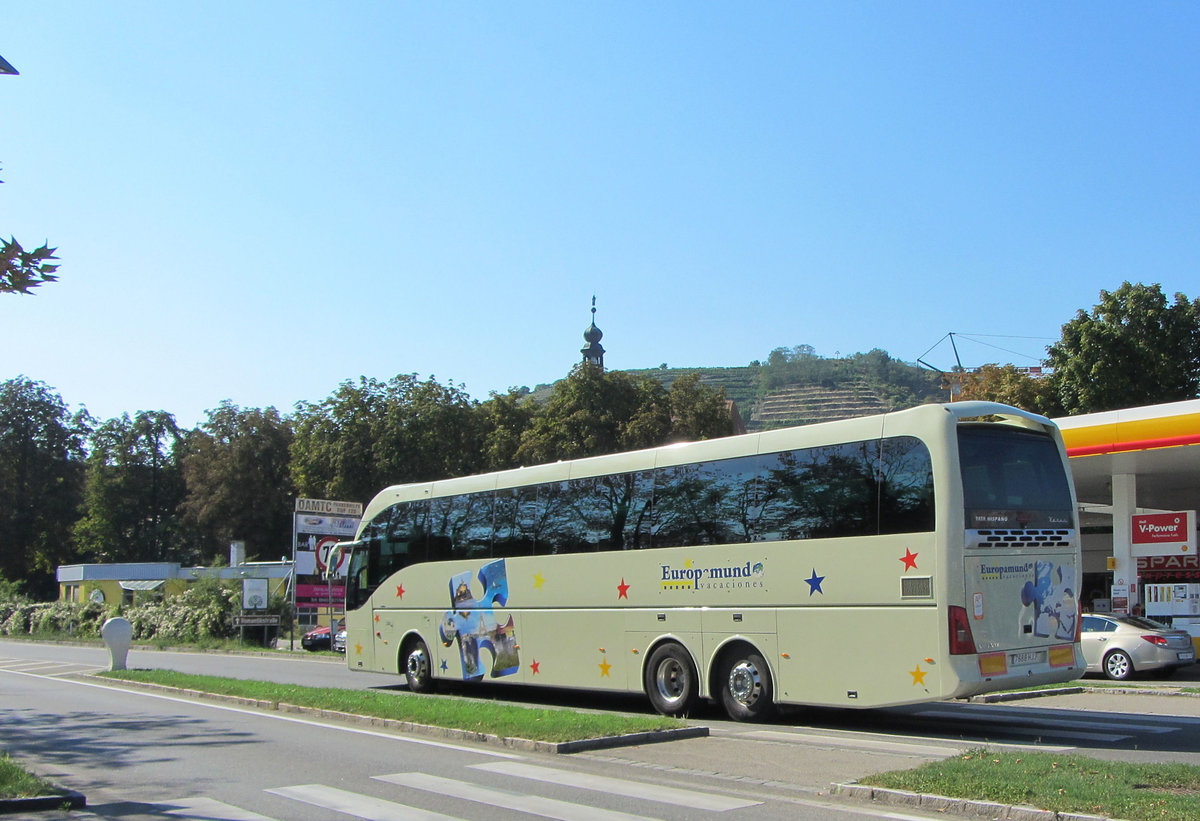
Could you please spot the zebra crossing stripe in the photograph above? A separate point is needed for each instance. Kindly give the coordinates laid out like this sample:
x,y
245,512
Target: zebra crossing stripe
x,y
359,806
708,802
209,809
535,805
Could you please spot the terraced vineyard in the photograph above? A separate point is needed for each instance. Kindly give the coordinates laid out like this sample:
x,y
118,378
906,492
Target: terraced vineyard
x,y
808,404
796,404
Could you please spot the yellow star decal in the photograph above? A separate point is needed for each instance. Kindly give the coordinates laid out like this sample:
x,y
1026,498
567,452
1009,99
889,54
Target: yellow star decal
x,y
538,581
688,564
604,668
358,648
918,675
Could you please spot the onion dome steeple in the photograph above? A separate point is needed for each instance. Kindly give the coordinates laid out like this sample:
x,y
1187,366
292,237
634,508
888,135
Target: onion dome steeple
x,y
593,351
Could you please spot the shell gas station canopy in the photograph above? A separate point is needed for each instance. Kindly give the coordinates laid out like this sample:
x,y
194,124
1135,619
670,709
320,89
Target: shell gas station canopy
x,y
1129,462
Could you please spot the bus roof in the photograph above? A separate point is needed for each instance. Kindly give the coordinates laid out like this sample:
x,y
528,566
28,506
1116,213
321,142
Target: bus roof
x,y
748,444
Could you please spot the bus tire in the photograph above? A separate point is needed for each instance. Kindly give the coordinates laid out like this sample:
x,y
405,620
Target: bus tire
x,y
744,681
416,666
670,680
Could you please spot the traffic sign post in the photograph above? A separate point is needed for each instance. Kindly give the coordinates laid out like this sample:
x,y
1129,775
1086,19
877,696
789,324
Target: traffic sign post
x,y
266,622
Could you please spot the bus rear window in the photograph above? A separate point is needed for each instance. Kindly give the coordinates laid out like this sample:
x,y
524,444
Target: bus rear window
x,y
1013,480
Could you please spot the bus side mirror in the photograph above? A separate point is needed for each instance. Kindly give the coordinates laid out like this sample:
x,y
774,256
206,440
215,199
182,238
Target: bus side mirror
x,y
333,561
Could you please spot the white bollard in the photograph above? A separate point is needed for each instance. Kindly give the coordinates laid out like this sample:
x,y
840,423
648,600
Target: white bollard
x,y
117,634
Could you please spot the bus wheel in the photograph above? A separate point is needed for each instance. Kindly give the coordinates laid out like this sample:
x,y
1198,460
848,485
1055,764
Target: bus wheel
x,y
670,680
745,683
417,670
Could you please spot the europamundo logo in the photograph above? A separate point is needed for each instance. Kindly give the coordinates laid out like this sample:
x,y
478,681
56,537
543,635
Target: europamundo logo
x,y
691,577
995,572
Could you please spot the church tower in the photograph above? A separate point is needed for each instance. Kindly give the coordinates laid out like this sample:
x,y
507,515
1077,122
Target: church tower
x,y
593,351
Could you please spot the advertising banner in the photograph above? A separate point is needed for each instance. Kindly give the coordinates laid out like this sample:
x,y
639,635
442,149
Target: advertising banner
x,y
314,596
1164,534
319,525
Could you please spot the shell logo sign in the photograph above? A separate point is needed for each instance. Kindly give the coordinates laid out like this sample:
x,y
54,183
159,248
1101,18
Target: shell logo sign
x,y
1164,534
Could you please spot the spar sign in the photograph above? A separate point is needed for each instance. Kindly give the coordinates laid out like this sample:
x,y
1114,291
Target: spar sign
x,y
1164,534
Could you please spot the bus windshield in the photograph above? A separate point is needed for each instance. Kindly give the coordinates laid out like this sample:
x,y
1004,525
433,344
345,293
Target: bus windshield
x,y
1013,480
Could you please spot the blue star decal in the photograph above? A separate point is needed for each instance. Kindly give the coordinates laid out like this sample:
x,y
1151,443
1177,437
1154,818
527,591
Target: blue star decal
x,y
814,583
443,665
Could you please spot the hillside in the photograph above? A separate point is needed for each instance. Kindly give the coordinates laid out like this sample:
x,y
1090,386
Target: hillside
x,y
795,387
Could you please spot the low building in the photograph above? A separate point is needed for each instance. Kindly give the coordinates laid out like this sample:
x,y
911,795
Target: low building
x,y
120,583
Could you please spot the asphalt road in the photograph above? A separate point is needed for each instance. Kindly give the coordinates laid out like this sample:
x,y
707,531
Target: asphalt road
x,y
188,751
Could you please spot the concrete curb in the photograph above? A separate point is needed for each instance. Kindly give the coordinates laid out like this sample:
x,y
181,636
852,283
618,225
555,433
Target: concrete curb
x,y
1160,690
994,698
965,807
65,799
522,744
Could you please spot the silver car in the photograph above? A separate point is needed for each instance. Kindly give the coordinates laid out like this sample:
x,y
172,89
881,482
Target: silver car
x,y
1119,646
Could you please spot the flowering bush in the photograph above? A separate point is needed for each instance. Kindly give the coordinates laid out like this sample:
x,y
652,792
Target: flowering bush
x,y
205,610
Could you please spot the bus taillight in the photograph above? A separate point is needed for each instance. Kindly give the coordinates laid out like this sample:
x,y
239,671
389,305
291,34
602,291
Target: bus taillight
x,y
962,643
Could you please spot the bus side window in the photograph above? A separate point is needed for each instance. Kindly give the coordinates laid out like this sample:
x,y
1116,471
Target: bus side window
x,y
706,503
515,517
821,492
906,491
565,530
614,510
462,527
404,541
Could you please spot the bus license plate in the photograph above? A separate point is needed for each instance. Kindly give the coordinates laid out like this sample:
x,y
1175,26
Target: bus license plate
x,y
1031,657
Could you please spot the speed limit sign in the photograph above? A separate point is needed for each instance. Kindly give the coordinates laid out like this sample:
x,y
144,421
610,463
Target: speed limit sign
x,y
323,555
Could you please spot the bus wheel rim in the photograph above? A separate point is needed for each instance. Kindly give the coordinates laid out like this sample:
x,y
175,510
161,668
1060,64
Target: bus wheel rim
x,y
671,681
416,663
745,683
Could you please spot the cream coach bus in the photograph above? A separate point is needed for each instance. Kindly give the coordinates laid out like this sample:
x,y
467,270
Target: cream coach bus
x,y
926,554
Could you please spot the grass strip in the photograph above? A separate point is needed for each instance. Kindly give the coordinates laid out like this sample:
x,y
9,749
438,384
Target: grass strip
x,y
472,715
1063,783
16,782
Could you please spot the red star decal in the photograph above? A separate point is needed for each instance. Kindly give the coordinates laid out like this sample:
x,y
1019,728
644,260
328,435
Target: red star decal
x,y
622,589
535,667
910,560
376,617
399,591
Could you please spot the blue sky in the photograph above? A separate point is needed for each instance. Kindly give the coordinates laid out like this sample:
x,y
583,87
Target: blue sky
x,y
257,201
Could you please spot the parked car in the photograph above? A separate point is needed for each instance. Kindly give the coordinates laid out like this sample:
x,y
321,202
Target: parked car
x,y
318,638
1119,646
339,641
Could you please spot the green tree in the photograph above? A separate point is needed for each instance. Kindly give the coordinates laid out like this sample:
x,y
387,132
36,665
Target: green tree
x,y
370,434
238,482
41,478
503,420
698,411
332,453
594,412
132,491
1133,348
429,431
1004,383
897,383
21,271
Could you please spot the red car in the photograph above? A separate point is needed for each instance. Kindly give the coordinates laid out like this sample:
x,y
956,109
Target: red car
x,y
318,637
